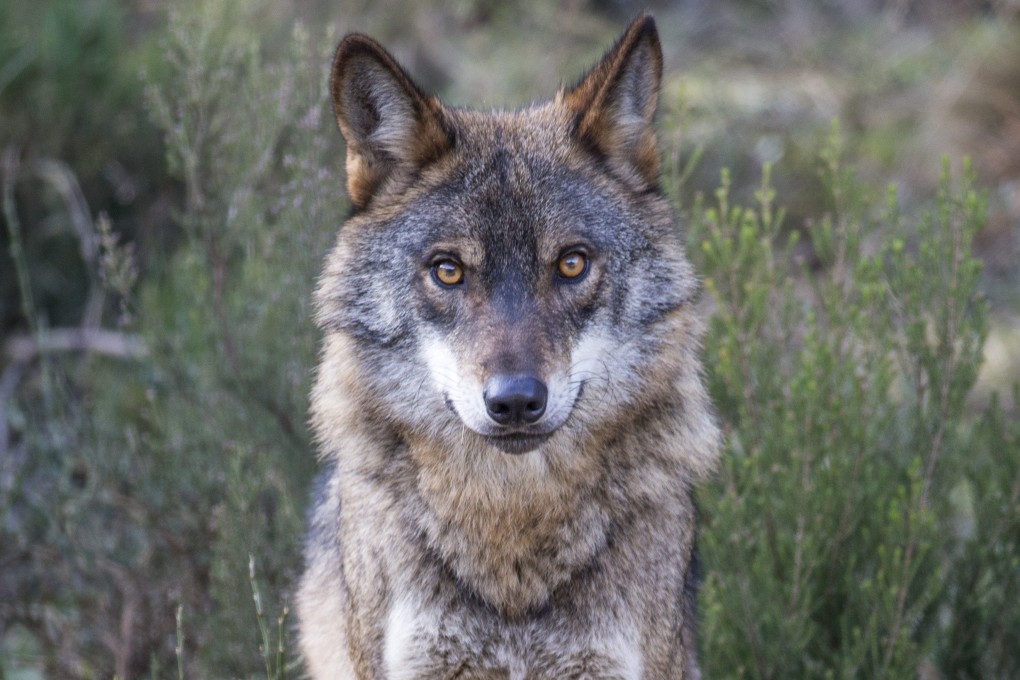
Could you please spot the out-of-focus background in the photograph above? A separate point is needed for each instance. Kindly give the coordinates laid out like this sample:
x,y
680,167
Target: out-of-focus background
x,y
172,178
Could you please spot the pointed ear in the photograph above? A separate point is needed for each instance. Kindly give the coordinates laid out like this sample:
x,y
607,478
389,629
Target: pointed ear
x,y
391,127
613,106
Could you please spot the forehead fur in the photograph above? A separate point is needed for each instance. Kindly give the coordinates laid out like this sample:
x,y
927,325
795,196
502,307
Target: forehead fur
x,y
504,155
541,128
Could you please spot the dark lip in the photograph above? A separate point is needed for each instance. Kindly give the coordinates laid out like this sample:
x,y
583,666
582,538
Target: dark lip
x,y
518,442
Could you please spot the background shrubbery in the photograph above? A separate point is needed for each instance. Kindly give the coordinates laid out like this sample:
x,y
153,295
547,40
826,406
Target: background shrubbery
x,y
864,524
171,180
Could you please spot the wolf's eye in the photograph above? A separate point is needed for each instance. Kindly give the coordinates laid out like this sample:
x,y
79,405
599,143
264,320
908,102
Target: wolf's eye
x,y
573,265
448,273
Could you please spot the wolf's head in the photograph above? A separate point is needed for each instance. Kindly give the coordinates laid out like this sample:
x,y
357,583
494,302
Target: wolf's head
x,y
508,279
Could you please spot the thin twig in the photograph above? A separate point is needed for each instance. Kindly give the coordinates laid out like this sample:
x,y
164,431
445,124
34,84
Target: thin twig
x,y
11,169
179,647
60,176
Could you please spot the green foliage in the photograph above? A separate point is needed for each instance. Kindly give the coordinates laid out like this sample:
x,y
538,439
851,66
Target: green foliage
x,y
842,539
55,57
140,490
71,105
232,326
866,522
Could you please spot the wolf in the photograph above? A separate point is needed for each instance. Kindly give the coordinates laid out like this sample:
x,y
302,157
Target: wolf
x,y
509,404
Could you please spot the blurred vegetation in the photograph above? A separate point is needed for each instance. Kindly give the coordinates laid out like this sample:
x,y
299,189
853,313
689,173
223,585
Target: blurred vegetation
x,y
864,523
171,179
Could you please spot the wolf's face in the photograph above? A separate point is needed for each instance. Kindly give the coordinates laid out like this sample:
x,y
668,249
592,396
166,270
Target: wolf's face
x,y
507,277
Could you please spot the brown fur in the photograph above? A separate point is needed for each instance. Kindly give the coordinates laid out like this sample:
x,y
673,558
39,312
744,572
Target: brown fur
x,y
370,162
434,553
594,100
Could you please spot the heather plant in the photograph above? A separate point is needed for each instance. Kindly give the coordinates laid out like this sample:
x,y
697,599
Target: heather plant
x,y
71,112
252,142
140,486
865,522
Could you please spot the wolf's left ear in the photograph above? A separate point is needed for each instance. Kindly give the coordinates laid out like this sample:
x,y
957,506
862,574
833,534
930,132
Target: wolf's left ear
x,y
613,106
391,126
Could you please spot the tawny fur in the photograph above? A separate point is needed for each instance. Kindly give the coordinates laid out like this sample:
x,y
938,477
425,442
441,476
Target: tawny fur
x,y
433,553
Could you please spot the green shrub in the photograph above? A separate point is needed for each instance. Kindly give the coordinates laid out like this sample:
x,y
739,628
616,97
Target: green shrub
x,y
71,104
230,323
142,487
865,523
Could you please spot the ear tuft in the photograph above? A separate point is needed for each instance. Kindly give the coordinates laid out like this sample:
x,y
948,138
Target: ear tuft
x,y
613,106
390,125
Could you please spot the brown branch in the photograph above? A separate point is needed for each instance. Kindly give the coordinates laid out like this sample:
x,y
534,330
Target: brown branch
x,y
25,348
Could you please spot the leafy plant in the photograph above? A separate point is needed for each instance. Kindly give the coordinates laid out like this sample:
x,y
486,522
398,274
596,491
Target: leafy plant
x,y
141,488
841,535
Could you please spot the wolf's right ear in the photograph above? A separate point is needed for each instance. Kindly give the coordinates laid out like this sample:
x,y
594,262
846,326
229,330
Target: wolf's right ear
x,y
390,125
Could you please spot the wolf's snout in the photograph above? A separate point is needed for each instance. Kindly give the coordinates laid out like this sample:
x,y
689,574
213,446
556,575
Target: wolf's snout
x,y
515,399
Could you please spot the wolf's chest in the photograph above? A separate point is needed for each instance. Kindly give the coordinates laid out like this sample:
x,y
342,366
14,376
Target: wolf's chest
x,y
428,643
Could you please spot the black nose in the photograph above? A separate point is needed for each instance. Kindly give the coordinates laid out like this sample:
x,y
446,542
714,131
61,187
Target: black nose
x,y
515,399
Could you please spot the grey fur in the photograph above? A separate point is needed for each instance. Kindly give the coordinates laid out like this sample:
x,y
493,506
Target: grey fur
x,y
433,552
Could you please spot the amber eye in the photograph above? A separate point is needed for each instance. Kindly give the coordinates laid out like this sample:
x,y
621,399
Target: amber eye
x,y
573,265
448,272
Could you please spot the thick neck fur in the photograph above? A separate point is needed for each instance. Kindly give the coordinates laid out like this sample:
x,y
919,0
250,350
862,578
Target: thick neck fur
x,y
514,528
